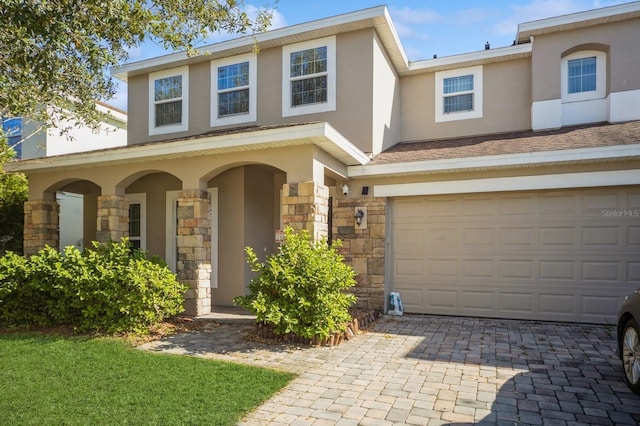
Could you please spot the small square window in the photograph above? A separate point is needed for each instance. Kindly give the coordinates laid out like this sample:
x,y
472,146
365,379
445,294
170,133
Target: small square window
x,y
582,75
459,94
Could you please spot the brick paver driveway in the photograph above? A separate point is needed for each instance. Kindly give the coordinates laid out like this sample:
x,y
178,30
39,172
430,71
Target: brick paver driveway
x,y
431,370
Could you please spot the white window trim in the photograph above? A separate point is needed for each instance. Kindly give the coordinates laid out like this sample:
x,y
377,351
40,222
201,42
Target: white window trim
x,y
253,89
171,230
182,127
141,199
330,105
601,76
477,94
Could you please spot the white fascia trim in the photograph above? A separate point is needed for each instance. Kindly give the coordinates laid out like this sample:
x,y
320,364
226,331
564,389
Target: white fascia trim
x,y
517,183
577,17
498,161
482,55
249,41
320,134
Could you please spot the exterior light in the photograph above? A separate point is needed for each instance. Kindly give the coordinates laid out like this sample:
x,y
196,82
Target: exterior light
x,y
359,215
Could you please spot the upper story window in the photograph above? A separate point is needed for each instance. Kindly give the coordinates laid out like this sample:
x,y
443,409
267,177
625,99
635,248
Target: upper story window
x,y
168,101
12,128
583,76
233,98
459,94
309,77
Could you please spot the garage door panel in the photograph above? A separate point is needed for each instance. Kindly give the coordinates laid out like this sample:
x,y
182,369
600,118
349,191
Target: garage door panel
x,y
554,236
557,304
602,236
563,270
551,255
519,269
523,237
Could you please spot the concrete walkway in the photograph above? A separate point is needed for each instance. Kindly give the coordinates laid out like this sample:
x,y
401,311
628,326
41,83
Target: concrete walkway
x,y
432,370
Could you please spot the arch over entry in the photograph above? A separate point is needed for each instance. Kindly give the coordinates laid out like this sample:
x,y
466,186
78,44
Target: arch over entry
x,y
246,200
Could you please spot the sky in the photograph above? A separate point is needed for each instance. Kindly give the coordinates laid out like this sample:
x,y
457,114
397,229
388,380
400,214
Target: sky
x,y
425,27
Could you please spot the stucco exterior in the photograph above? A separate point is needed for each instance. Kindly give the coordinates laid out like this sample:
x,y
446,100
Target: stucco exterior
x,y
212,190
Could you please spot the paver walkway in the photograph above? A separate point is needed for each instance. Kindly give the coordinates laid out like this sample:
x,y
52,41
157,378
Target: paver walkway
x,y
432,370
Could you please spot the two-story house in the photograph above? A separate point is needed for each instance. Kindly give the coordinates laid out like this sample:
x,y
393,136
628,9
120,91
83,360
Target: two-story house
x,y
500,183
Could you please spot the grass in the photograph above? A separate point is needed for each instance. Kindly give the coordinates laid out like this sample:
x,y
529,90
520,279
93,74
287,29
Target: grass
x,y
48,379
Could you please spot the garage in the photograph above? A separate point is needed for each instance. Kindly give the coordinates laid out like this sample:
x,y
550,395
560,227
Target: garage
x,y
560,255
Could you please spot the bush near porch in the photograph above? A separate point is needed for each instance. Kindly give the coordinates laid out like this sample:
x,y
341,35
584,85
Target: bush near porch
x,y
301,289
111,288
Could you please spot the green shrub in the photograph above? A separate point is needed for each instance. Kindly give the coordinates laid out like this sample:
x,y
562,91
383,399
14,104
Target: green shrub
x,y
300,289
111,288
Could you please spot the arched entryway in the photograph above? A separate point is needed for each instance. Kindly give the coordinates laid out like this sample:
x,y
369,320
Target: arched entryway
x,y
246,201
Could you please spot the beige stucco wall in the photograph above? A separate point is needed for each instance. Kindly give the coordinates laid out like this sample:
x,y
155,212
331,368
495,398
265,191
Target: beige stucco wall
x,y
506,104
386,101
623,57
354,94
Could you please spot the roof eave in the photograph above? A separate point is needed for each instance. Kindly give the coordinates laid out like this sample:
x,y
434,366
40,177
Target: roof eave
x,y
503,161
319,134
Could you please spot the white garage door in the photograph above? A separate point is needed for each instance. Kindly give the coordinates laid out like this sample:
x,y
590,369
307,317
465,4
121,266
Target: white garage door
x,y
567,255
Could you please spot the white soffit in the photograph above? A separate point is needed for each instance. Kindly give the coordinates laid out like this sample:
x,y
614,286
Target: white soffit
x,y
578,20
320,134
584,155
516,183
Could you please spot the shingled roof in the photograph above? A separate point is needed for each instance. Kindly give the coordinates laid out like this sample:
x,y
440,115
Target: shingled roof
x,y
590,136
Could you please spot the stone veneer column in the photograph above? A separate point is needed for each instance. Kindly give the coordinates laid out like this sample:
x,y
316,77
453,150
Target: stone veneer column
x,y
363,249
305,205
40,225
113,218
194,249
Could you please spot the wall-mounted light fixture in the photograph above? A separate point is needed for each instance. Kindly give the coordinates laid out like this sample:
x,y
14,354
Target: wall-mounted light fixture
x,y
361,217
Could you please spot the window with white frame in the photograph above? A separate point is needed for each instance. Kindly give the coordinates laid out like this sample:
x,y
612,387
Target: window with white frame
x,y
137,220
309,77
233,98
458,94
583,76
168,101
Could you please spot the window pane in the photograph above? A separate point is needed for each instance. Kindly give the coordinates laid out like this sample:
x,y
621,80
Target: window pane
x,y
306,62
168,113
582,75
134,221
458,103
309,91
168,88
458,84
231,76
236,102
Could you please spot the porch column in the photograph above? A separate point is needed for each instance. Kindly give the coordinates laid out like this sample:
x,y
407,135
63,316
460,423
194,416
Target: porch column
x,y
305,205
113,218
194,249
40,226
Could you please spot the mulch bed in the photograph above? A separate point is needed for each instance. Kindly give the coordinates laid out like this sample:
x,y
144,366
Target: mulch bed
x,y
361,320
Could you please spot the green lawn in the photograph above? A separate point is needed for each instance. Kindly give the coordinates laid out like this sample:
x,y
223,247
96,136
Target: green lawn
x,y
51,380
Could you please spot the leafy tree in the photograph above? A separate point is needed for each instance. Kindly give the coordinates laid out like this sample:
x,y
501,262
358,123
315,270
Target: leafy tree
x,y
13,194
55,55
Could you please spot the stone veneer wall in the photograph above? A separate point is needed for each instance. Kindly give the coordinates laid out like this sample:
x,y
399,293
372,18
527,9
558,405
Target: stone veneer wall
x,y
194,249
113,218
363,249
305,205
40,225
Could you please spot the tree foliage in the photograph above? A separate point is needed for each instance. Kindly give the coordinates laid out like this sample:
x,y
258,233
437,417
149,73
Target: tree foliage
x,y
55,55
13,194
